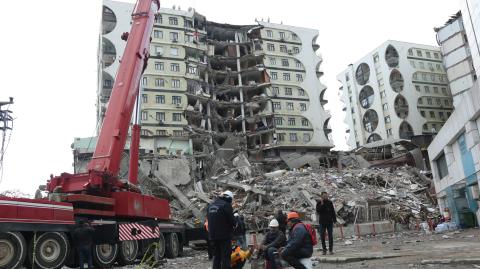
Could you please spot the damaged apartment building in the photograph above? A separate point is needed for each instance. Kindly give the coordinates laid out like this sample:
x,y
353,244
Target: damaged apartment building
x,y
214,90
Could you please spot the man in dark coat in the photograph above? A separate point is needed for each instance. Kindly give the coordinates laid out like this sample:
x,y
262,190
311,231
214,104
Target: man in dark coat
x,y
299,244
220,229
326,218
273,240
282,221
82,237
239,231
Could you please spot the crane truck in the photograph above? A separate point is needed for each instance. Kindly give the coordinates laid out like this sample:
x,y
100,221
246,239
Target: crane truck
x,y
36,232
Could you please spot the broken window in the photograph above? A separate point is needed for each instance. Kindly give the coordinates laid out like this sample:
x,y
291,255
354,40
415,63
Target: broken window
x,y
160,99
289,105
277,105
293,137
157,34
299,77
305,122
144,115
291,121
273,75
306,137
159,82
144,98
174,51
286,76
288,91
175,83
176,100
285,62
145,81
159,66
303,107
174,36
173,20
269,33
270,47
160,116
278,121
177,117
282,35
174,67
442,167
362,74
283,48
301,92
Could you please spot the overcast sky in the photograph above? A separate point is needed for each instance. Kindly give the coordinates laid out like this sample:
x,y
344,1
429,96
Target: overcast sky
x,y
48,62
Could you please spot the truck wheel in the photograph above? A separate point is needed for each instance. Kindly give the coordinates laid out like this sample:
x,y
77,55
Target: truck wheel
x,y
128,252
13,250
49,251
158,252
104,255
72,259
171,244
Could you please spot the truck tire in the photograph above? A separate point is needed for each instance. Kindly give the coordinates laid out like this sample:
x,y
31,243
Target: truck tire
x,y
157,249
172,245
49,251
128,252
72,259
13,250
104,255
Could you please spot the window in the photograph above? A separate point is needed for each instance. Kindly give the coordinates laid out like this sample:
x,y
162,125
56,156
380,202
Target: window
x,y
175,67
427,89
428,54
144,98
288,91
383,94
159,82
422,113
284,62
176,100
144,81
412,63
145,132
417,88
440,114
286,76
438,101
293,137
434,127
175,83
305,122
281,137
303,107
277,105
298,64
376,58
157,34
177,116
420,101
444,90
275,90
278,120
274,75
419,53
174,36
432,114
107,83
435,89
158,50
273,61
144,115
429,101
389,131
446,102
306,137
289,105
347,77
160,116
296,50
160,99
161,132
192,69
283,48
291,121
299,77
442,167
177,133
269,33
385,106
432,77
301,92
435,55
415,76
173,20
294,36
159,66
424,77
448,114
282,35
158,19
387,119
270,47
422,65
174,51
352,110
441,78
410,52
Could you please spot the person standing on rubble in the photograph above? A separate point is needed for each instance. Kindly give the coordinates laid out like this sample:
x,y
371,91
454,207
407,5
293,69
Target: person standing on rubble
x,y
326,218
239,231
273,240
282,221
220,229
299,244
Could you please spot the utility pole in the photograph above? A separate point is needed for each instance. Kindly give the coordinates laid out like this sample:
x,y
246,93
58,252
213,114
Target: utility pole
x,y
6,124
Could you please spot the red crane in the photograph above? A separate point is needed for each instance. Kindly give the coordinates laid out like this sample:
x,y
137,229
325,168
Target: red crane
x,y
127,221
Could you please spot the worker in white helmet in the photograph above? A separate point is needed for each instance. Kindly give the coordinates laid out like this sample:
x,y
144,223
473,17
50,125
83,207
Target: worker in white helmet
x,y
220,229
272,241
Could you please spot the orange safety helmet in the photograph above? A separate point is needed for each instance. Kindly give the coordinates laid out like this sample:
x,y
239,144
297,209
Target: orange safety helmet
x,y
292,215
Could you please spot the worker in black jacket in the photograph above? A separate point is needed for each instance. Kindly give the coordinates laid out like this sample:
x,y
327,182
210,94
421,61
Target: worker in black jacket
x,y
220,229
282,221
82,237
239,231
272,242
326,218
299,244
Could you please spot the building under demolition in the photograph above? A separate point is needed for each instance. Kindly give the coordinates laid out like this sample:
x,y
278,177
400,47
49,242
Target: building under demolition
x,y
221,88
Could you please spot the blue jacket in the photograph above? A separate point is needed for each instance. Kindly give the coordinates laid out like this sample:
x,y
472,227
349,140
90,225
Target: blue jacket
x,y
299,243
220,219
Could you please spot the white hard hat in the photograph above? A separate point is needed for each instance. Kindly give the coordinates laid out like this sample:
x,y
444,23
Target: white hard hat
x,y
236,215
273,223
228,194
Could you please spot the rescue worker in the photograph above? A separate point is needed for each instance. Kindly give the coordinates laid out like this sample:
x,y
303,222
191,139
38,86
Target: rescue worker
x,y
272,242
220,229
82,237
326,218
239,231
282,221
239,257
209,244
299,244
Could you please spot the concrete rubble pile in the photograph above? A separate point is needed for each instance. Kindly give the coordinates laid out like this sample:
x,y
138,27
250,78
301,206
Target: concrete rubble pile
x,y
359,195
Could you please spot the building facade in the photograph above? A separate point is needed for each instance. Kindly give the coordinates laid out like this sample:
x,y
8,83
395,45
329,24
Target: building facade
x,y
211,86
397,91
455,151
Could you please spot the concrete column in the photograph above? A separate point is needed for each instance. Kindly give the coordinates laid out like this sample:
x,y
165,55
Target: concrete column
x,y
237,39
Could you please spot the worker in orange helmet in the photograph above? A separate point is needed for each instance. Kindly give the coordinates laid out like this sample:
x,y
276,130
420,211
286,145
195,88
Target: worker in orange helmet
x,y
299,244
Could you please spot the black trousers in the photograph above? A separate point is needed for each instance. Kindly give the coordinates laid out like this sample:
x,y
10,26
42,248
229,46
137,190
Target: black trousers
x,y
222,250
271,255
328,228
293,258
